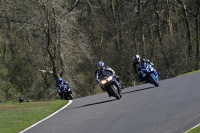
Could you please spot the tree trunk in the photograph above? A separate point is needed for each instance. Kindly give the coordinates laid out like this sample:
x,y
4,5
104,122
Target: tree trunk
x,y
197,34
184,10
158,28
168,19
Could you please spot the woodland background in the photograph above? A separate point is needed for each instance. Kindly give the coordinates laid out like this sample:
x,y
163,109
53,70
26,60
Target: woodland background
x,y
41,40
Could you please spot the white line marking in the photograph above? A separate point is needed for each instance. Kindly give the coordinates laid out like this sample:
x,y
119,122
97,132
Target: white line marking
x,y
70,101
193,128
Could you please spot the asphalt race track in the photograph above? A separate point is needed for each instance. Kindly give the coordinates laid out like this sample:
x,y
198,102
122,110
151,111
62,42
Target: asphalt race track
x,y
173,107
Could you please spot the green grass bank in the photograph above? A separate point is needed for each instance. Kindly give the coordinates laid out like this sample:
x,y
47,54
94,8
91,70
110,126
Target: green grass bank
x,y
16,117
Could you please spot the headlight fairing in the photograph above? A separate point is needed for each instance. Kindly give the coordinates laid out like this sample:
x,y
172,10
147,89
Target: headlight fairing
x,y
106,80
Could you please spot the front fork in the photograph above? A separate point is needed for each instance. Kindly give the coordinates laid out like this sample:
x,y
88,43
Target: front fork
x,y
118,85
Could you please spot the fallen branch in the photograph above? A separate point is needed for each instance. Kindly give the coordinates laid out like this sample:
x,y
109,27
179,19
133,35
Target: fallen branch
x,y
45,71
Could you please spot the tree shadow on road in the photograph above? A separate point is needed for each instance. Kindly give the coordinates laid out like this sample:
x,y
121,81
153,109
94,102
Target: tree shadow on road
x,y
138,90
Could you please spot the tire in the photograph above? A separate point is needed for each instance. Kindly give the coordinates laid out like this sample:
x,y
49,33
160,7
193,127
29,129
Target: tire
x,y
70,96
114,92
154,80
65,97
61,96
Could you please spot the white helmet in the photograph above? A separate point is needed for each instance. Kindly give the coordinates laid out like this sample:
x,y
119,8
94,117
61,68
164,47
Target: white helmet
x,y
136,58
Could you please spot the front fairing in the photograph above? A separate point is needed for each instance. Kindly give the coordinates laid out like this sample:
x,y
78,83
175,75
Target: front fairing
x,y
61,88
64,88
107,81
146,69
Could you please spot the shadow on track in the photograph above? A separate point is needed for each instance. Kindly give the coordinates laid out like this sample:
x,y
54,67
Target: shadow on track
x,y
138,90
91,104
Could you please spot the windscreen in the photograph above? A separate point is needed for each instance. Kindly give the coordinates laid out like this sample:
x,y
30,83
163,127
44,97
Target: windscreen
x,y
144,65
105,73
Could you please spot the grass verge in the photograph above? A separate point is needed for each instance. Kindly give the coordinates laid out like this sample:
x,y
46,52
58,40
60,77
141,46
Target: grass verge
x,y
16,117
195,130
191,72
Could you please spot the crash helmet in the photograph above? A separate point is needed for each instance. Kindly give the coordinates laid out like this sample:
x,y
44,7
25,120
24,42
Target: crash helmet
x,y
100,64
59,79
136,58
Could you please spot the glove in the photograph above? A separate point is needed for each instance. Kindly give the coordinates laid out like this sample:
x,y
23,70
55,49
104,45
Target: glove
x,y
58,91
151,64
97,81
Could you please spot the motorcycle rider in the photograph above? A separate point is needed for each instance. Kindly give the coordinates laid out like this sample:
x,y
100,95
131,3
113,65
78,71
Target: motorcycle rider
x,y
61,82
136,65
99,71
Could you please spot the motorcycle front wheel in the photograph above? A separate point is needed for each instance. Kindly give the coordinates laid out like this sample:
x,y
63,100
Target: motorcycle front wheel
x,y
114,91
70,96
154,80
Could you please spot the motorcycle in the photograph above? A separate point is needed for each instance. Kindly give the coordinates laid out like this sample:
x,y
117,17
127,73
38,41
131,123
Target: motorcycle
x,y
109,83
66,92
149,73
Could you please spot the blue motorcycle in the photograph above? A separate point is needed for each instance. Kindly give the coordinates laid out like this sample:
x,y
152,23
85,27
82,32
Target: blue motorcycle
x,y
149,73
65,92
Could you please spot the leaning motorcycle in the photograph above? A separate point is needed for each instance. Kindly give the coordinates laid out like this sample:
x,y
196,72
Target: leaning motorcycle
x,y
149,73
109,83
66,92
